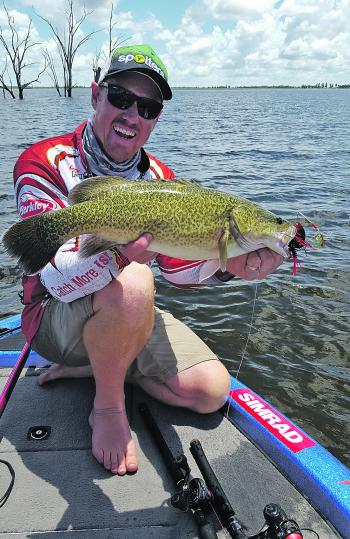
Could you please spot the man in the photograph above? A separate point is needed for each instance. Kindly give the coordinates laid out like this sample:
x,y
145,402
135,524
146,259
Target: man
x,y
95,316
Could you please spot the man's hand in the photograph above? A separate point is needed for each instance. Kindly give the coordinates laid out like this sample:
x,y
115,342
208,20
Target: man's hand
x,y
137,250
255,265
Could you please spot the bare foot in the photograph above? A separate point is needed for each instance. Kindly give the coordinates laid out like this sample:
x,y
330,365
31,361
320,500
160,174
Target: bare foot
x,y
55,371
112,444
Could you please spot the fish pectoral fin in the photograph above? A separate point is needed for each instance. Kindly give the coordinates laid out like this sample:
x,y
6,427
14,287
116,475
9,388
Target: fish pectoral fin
x,y
223,242
92,245
90,188
208,269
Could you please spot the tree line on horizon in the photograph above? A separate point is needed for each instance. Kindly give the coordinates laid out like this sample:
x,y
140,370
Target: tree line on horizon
x,y
68,43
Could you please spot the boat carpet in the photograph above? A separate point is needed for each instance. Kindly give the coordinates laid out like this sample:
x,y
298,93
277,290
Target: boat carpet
x,y
61,491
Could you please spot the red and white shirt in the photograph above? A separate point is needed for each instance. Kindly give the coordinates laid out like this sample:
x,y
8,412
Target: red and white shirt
x,y
43,176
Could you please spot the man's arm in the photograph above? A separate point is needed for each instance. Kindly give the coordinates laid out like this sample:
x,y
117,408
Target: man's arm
x,y
185,273
66,277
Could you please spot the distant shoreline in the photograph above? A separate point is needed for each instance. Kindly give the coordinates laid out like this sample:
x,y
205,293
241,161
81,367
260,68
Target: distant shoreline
x,y
227,87
262,87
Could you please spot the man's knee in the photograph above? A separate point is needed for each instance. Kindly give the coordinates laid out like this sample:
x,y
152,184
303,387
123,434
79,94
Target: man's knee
x,y
129,299
204,386
132,288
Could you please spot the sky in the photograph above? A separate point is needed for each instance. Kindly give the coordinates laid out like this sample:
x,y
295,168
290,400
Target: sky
x,y
203,42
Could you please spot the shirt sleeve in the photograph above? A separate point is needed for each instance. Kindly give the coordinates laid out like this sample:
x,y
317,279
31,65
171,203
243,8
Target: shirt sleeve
x,y
192,273
67,276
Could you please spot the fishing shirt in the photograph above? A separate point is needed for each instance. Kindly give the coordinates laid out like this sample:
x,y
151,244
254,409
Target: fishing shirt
x,y
43,176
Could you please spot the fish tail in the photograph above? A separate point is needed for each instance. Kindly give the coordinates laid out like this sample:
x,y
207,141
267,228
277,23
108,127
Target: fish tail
x,y
33,241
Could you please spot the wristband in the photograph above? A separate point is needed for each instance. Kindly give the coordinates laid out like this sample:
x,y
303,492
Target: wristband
x,y
224,276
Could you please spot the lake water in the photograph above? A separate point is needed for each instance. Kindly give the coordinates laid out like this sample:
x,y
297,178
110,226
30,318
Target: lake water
x,y
286,149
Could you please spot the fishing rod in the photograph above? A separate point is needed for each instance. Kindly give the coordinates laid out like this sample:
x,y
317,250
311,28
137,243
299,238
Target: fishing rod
x,y
192,495
12,379
4,398
277,524
199,496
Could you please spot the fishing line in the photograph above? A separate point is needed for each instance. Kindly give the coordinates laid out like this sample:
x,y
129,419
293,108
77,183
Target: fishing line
x,y
320,238
247,339
250,330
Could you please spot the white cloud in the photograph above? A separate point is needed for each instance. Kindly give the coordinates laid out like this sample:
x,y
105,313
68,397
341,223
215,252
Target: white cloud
x,y
227,41
61,6
288,42
238,9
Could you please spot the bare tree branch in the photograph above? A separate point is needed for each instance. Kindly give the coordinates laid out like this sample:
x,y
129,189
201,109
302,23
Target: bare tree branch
x,y
112,44
26,84
51,70
95,67
6,86
67,43
16,49
117,41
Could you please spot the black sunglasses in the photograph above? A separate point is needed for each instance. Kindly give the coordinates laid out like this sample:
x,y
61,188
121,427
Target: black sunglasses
x,y
123,99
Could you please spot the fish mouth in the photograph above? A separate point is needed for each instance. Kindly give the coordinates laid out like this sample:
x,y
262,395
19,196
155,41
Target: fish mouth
x,y
277,242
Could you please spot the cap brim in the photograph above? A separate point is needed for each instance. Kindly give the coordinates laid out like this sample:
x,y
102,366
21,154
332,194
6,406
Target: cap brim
x,y
158,79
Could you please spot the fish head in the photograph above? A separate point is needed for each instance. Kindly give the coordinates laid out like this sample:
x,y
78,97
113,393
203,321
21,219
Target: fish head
x,y
254,227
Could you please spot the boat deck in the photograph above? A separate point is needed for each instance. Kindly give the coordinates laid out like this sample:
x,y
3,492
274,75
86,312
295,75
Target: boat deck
x,y
60,488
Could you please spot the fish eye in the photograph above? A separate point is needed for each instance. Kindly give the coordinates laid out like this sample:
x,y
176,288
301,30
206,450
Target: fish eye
x,y
279,220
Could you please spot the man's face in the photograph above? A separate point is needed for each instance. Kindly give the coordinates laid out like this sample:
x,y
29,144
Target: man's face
x,y
122,133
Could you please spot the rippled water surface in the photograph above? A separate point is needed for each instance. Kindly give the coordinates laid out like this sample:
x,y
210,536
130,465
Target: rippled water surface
x,y
286,149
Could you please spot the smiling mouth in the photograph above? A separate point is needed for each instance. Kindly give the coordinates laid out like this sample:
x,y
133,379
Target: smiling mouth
x,y
123,132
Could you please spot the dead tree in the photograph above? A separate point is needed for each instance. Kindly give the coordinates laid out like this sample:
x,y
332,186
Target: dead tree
x,y
16,49
112,44
95,67
68,43
6,82
51,70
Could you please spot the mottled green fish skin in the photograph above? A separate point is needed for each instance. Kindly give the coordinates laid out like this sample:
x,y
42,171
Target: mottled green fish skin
x,y
181,214
185,219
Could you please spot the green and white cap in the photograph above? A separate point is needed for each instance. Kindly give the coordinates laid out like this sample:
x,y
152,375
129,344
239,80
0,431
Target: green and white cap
x,y
140,58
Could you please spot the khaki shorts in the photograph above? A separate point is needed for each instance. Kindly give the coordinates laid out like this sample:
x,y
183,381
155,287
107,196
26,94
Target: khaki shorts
x,y
172,347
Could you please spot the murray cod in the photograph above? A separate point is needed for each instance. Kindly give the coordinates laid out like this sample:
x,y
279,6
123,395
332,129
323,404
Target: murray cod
x,y
186,220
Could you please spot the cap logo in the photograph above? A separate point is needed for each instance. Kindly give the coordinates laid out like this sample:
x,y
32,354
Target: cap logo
x,y
141,59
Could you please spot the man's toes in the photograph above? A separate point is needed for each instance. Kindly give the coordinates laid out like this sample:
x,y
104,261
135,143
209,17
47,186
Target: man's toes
x,y
131,463
48,374
107,460
121,466
99,455
114,465
42,378
132,466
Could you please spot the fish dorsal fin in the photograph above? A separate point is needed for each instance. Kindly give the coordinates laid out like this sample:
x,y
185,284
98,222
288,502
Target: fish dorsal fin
x,y
180,181
88,189
185,181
